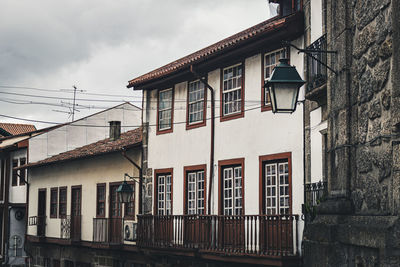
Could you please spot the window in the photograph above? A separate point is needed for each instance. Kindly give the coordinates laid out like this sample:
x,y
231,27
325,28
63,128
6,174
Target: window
x,y
196,104
14,180
195,183
130,206
2,174
165,111
232,92
101,200
62,205
53,202
270,61
275,184
22,172
115,204
163,194
231,184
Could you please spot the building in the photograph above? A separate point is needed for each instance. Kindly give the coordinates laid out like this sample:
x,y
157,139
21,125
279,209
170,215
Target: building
x,y
13,153
223,175
357,222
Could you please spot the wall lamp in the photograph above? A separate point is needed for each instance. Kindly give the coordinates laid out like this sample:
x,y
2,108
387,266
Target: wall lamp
x,y
125,191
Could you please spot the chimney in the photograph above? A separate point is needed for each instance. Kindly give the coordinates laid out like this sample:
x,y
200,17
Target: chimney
x,y
115,130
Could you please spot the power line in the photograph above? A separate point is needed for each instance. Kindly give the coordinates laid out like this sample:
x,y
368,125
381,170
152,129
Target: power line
x,y
102,126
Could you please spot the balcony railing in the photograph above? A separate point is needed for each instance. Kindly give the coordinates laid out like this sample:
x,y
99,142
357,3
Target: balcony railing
x,y
71,228
40,223
108,230
315,193
316,72
247,234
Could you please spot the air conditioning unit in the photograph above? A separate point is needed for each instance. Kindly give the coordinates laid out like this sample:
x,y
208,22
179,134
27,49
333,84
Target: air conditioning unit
x,y
130,230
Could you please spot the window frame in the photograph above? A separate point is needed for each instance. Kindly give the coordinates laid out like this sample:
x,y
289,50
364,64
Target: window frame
x,y
60,202
22,172
130,216
158,172
104,186
186,171
268,107
223,164
236,115
171,129
287,156
201,123
14,173
53,190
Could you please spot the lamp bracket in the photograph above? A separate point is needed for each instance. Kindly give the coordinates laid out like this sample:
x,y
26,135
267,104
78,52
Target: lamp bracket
x,y
309,52
133,178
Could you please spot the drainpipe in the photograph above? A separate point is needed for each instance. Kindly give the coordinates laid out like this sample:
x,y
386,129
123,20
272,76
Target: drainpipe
x,y
212,93
140,177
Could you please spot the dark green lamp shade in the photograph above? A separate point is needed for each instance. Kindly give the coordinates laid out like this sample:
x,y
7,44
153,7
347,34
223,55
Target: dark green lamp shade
x,y
125,192
284,85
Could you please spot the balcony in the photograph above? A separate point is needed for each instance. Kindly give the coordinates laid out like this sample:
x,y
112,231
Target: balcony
x,y
70,228
40,223
315,193
317,72
263,236
108,231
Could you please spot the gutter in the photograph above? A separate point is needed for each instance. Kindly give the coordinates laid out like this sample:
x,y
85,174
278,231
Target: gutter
x,y
212,144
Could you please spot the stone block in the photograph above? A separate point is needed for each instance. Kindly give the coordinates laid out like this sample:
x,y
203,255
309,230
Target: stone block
x,y
375,110
364,163
364,39
386,99
367,10
363,123
368,84
385,50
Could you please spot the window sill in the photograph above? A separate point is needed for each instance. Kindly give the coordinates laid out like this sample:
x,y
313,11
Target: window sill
x,y
266,108
232,116
170,130
195,125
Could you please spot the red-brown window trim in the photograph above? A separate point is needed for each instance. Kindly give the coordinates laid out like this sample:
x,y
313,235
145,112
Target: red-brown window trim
x,y
22,172
221,165
2,178
186,169
110,185
241,113
59,201
126,215
201,123
104,186
170,130
14,175
53,190
80,197
156,173
263,106
273,157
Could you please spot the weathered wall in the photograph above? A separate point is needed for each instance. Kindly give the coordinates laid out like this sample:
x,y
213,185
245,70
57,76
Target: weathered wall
x,y
359,225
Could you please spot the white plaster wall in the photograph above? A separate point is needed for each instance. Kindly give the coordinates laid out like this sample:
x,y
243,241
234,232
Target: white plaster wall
x,y
17,193
316,19
86,172
78,133
257,134
316,125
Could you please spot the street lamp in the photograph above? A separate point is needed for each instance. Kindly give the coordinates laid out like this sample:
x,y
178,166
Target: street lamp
x,y
125,191
284,85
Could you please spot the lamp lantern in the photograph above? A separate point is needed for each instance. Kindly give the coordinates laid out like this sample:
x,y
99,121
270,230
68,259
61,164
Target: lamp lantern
x,y
125,192
284,86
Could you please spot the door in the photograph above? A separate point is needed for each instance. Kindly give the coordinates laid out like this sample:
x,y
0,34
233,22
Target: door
x,y
76,204
163,225
232,223
277,226
41,218
115,223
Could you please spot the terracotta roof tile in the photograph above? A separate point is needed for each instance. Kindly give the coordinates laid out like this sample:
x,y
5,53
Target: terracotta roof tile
x,y
14,128
236,39
101,147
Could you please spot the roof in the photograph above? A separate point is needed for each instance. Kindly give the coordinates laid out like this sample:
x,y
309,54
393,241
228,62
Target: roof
x,y
214,49
7,129
127,139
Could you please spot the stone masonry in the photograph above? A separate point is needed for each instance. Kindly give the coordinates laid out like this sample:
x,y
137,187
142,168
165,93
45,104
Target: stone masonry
x,y
359,224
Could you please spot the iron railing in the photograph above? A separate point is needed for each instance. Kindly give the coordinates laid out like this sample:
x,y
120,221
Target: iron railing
x,y
315,193
247,234
108,230
317,72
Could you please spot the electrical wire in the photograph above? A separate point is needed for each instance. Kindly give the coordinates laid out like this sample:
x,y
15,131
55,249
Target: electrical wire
x,y
104,126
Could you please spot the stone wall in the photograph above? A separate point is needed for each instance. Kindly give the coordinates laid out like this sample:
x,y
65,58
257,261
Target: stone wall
x,y
359,225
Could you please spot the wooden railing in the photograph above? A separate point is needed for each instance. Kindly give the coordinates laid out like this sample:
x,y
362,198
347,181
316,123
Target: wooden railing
x,y
247,234
70,227
108,230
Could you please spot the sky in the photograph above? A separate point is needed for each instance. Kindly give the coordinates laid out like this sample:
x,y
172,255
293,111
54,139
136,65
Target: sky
x,y
98,46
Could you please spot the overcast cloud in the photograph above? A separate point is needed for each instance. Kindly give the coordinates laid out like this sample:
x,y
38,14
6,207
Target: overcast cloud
x,y
99,45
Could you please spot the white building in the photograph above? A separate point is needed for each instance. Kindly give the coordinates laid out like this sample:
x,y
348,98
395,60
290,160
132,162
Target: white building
x,y
249,165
